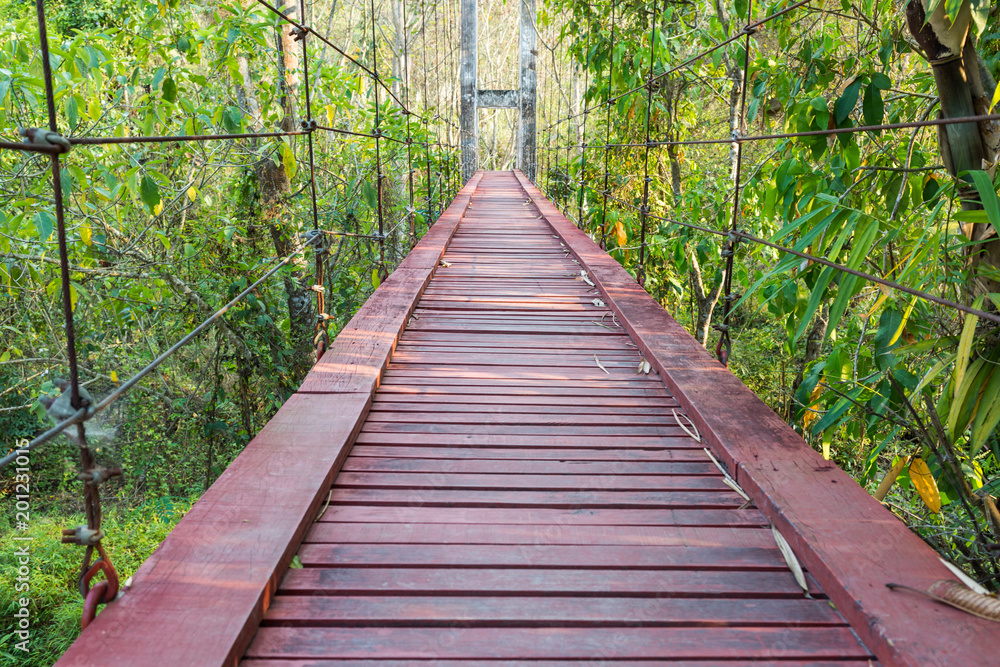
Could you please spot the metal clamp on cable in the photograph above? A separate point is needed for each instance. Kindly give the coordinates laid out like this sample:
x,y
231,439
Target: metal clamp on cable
x,y
308,125
312,237
732,297
750,29
82,536
324,317
45,138
98,475
299,33
721,328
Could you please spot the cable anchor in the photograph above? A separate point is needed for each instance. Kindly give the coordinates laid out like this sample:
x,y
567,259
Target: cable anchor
x,y
299,33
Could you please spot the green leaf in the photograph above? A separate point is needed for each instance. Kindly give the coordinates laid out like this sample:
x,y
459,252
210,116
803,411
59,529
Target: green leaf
x,y
846,103
987,413
371,197
839,408
888,325
189,250
873,108
73,112
232,120
987,195
375,279
149,192
962,362
43,223
169,90
289,162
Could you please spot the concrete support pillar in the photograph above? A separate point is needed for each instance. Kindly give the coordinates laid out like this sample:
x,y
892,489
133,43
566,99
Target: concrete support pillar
x,y
529,50
469,122
523,99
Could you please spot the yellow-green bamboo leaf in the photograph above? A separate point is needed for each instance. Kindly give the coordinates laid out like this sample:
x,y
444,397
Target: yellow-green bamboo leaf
x,y
934,372
924,483
890,478
902,323
987,413
965,346
966,397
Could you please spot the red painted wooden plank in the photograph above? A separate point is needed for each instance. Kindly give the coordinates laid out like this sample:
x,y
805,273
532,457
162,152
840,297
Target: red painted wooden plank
x,y
527,534
313,662
542,432
554,441
530,453
850,541
502,516
554,499
561,467
577,643
418,480
428,611
515,419
379,580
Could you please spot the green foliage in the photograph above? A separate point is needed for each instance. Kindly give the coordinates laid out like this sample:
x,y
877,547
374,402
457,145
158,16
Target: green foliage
x,y
55,603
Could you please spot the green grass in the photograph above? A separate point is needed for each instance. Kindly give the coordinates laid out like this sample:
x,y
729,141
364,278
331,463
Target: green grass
x,y
55,605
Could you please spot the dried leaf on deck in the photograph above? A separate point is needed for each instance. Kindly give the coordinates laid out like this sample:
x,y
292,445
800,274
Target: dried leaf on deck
x,y
598,303
600,365
959,596
793,562
445,264
644,367
693,431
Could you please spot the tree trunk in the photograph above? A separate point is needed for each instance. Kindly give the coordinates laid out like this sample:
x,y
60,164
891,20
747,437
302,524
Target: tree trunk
x,y
705,300
814,343
964,90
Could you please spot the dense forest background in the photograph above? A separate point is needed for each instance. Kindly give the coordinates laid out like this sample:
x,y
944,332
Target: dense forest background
x,y
894,389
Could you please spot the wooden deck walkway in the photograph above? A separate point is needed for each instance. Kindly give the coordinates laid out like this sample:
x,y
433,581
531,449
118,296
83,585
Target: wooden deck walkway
x,y
476,474
509,499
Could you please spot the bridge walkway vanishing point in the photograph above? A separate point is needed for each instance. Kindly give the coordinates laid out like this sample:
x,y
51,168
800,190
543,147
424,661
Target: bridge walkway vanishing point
x,y
477,473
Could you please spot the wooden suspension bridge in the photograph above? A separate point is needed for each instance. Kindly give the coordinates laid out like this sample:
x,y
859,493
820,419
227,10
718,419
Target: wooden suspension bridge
x,y
480,472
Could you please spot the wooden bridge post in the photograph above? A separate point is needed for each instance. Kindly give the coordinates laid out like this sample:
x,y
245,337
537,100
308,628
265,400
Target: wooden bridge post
x,y
522,99
469,81
526,138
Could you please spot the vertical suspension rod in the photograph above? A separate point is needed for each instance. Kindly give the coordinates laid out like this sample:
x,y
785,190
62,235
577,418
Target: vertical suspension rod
x,y
378,153
724,347
644,211
607,135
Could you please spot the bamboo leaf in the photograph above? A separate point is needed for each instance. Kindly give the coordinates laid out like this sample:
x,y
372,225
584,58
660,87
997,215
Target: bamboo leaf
x,y
925,485
987,413
793,562
965,345
902,324
890,478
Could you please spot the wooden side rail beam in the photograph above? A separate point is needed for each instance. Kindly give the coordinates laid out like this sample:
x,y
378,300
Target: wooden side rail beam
x,y
848,541
199,598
